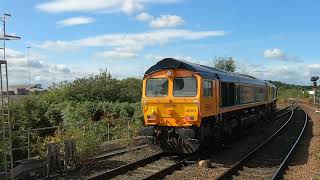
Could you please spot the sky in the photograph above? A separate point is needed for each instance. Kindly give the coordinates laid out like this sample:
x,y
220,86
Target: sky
x,y
269,39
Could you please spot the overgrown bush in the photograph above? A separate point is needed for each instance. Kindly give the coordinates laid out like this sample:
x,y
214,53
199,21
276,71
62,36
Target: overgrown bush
x,y
88,137
28,112
101,87
82,109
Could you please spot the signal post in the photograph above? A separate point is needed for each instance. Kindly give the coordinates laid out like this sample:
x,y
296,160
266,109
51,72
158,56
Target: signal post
x,y
314,80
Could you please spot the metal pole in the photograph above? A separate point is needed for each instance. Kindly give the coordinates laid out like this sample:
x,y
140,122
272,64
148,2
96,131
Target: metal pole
x,y
2,102
319,104
7,95
108,131
314,96
28,143
128,129
29,65
318,110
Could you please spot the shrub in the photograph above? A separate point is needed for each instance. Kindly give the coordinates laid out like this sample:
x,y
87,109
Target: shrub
x,y
101,87
84,107
28,112
88,137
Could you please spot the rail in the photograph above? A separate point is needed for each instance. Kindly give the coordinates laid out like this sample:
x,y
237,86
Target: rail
x,y
278,169
118,152
280,113
283,165
125,168
169,170
149,160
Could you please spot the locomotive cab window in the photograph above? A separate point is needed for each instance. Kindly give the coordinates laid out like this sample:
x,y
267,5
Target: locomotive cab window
x,y
207,88
157,87
185,87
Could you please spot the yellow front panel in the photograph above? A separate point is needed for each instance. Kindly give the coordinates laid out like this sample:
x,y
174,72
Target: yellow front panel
x,y
170,110
170,113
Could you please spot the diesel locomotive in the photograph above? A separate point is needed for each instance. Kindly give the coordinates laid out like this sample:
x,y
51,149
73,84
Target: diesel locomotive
x,y
187,106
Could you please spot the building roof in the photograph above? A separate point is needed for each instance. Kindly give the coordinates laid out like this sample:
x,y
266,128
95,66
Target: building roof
x,y
22,86
204,71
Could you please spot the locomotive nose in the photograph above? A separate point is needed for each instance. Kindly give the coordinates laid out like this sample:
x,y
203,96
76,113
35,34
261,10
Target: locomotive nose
x,y
170,112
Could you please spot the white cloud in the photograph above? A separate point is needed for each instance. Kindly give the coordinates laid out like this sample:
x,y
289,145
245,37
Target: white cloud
x,y
165,21
126,6
297,73
41,71
76,21
144,17
274,53
120,53
58,46
278,54
129,44
293,74
116,55
130,6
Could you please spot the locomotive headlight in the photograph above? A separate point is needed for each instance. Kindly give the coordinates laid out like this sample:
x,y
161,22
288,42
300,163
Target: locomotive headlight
x,y
151,117
169,73
145,102
188,118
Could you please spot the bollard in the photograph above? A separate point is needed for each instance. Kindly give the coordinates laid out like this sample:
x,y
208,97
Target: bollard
x,y
70,150
52,156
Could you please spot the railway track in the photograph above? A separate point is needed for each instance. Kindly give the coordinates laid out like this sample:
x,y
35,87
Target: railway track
x,y
118,152
282,112
156,166
269,160
153,167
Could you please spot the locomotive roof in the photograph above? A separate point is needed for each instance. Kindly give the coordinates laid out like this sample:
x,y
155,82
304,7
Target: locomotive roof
x,y
205,71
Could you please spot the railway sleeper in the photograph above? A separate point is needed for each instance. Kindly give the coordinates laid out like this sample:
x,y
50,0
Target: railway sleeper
x,y
264,162
150,170
253,175
261,170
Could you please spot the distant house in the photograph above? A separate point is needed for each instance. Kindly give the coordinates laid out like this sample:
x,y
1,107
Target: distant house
x,y
10,93
24,89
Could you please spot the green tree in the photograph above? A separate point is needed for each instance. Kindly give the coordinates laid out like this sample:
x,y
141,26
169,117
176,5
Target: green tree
x,y
225,63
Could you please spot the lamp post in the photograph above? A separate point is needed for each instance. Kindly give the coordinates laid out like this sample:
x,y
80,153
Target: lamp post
x,y
29,65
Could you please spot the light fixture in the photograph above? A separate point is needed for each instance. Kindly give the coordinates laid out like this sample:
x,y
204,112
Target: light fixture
x,y
170,73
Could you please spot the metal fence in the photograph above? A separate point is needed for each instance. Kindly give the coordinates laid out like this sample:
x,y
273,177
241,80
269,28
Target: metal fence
x,y
27,143
113,131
